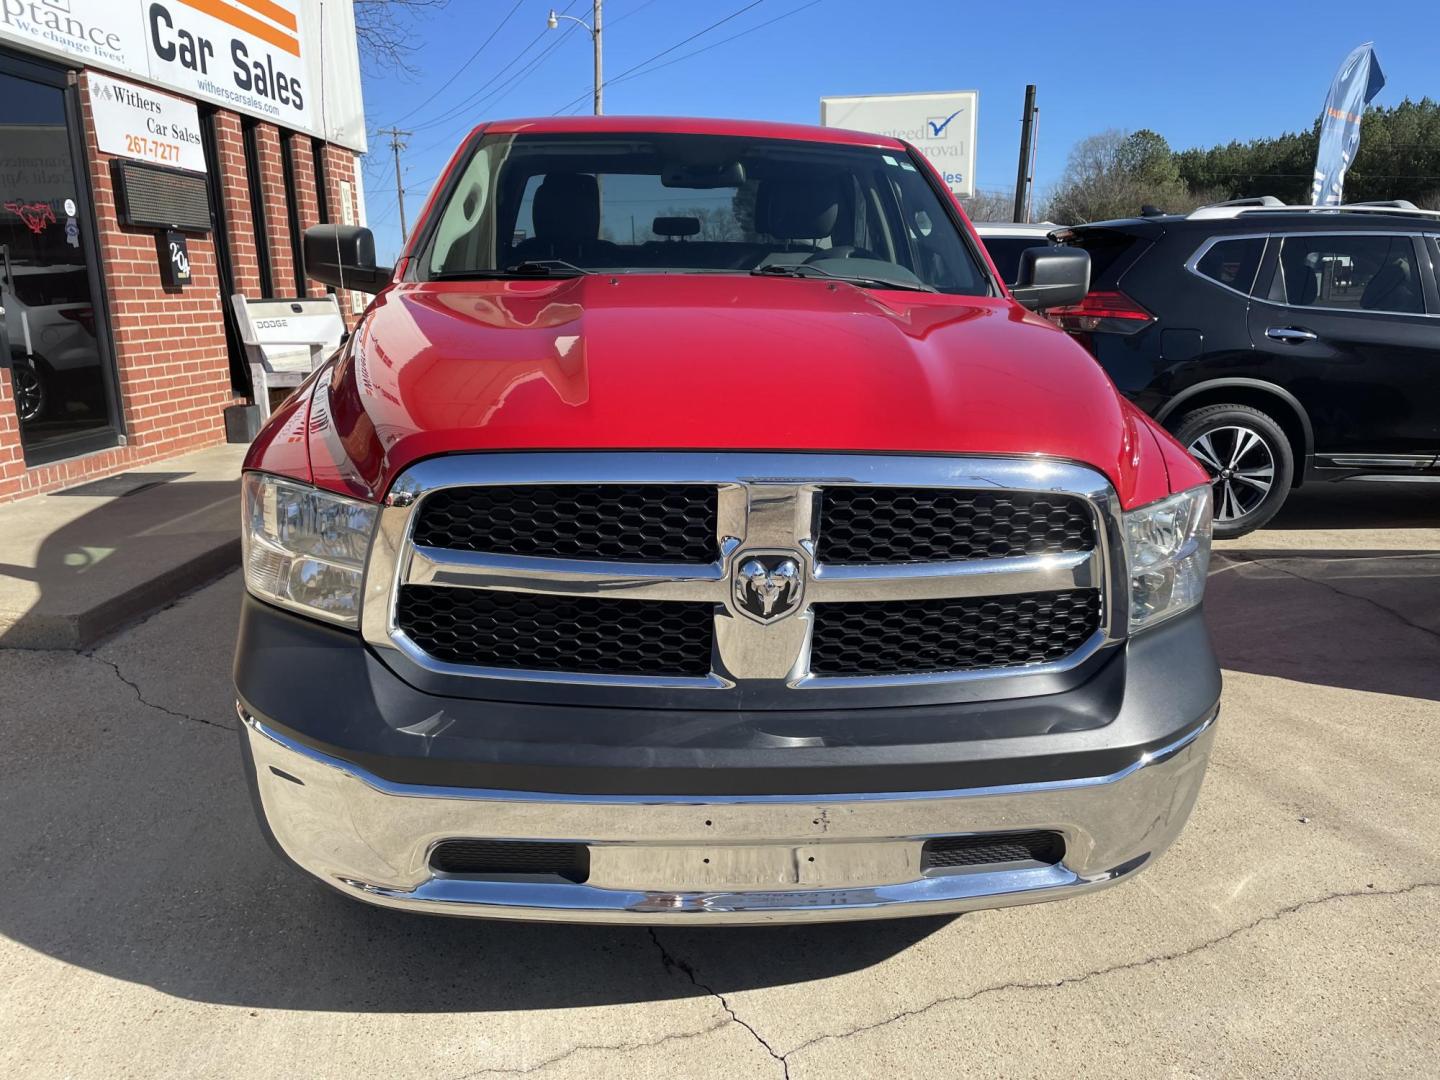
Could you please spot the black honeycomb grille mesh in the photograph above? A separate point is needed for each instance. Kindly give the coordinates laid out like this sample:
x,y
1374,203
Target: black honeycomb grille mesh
x,y
558,633
502,858
899,525
950,852
620,522
914,636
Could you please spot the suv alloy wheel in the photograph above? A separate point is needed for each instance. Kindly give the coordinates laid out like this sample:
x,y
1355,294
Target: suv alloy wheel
x,y
29,391
1249,460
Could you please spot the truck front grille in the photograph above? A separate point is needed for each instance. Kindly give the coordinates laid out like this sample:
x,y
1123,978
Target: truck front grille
x,y
558,633
860,525
765,575
617,522
973,634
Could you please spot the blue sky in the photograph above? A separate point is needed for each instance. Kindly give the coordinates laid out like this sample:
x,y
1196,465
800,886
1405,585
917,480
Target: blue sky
x,y
1237,71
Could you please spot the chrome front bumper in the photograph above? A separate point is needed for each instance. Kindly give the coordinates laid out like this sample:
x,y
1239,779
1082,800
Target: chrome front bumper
x,y
713,859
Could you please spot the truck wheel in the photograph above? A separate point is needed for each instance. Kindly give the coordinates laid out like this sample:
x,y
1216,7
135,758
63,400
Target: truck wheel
x,y
1249,460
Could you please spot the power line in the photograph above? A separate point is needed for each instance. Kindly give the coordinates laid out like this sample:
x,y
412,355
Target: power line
x,y
716,44
473,57
666,52
499,93
633,11
706,48
469,102
492,99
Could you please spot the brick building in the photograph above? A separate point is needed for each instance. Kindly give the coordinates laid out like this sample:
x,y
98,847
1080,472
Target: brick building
x,y
112,362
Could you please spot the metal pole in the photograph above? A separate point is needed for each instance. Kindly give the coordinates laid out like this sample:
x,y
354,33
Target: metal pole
x,y
599,80
396,145
1027,121
1030,181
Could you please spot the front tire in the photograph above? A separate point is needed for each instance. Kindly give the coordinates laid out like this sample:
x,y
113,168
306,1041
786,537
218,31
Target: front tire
x,y
1250,462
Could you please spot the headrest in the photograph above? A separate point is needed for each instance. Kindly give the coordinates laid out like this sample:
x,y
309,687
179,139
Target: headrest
x,y
567,207
676,226
1302,284
797,209
1390,289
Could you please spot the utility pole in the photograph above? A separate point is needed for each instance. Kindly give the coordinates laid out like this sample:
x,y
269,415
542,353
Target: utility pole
x,y
599,81
595,29
1034,149
396,145
1023,177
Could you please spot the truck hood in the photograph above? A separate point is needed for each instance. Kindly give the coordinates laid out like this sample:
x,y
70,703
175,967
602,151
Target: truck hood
x,y
713,362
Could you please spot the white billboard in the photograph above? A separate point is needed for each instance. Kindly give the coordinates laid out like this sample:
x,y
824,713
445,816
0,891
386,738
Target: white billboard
x,y
941,126
261,57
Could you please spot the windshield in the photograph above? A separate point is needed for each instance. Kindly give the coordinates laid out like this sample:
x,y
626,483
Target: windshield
x,y
566,204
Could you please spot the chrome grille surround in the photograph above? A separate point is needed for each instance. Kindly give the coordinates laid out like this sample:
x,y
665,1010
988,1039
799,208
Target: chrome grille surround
x,y
767,502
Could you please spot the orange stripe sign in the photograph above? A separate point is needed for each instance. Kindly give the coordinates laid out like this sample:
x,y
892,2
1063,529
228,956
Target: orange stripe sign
x,y
274,12
248,23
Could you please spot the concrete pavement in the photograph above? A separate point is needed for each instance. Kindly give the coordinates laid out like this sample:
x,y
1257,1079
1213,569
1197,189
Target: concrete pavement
x,y
146,930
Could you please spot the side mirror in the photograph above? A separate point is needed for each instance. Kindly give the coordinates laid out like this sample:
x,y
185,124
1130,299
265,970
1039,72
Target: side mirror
x,y
1052,277
344,256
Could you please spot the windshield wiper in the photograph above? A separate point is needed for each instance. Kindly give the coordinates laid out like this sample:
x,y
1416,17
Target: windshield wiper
x,y
528,268
873,281
546,267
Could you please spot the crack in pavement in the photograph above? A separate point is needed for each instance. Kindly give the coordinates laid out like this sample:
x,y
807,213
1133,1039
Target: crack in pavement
x,y
1071,980
673,962
624,1048
1274,564
140,697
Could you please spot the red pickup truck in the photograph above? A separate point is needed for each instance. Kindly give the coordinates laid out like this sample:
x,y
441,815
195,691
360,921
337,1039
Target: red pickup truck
x,y
694,528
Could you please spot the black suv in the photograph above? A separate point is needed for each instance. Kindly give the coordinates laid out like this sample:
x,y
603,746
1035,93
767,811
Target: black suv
x,y
1280,344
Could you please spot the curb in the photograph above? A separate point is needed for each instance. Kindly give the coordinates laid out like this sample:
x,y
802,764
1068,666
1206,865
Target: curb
x,y
80,630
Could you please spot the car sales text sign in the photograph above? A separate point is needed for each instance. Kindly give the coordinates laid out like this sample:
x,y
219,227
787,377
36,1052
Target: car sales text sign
x,y
243,56
941,126
137,122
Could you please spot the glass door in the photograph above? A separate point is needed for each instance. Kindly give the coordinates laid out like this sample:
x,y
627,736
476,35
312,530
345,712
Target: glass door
x,y
49,330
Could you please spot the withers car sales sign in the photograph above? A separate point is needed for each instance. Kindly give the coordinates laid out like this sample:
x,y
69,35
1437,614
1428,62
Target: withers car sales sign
x,y
242,54
941,126
137,122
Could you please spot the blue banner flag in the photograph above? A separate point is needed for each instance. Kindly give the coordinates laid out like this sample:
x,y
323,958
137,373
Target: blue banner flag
x,y
1356,84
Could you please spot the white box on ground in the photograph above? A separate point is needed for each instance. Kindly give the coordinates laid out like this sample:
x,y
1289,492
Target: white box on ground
x,y
286,339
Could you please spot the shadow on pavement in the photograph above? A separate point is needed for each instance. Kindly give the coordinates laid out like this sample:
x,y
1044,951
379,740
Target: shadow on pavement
x,y
97,569
130,849
1362,620
1360,505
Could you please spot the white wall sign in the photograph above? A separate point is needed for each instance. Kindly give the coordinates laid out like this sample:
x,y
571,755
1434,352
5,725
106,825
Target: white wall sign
x,y
941,126
261,58
137,122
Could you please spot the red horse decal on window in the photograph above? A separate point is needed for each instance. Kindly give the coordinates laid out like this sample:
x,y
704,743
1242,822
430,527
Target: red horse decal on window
x,y
36,215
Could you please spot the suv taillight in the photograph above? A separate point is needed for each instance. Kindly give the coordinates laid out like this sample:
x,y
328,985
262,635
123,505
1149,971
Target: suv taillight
x,y
1102,313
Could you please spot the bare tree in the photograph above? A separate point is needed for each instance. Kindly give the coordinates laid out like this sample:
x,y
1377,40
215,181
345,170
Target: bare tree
x,y
990,206
384,31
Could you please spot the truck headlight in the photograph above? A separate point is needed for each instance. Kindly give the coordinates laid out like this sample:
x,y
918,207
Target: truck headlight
x,y
304,548
1167,549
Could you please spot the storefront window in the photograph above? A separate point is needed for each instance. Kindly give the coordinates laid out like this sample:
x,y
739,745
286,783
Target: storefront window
x,y
48,327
